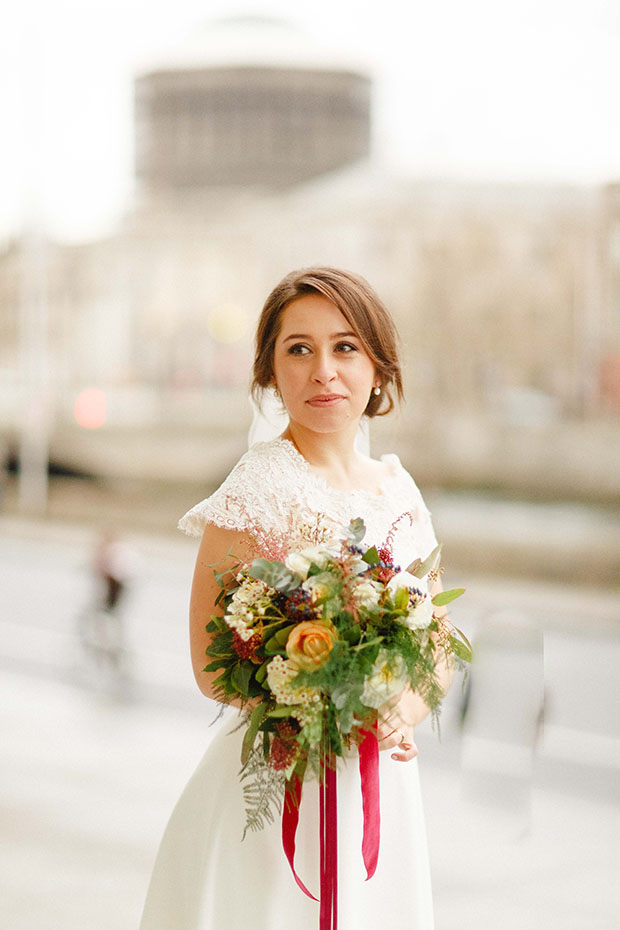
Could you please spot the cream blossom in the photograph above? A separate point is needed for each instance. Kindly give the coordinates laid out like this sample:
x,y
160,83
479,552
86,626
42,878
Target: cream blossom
x,y
388,678
300,562
280,675
317,586
407,580
420,605
366,593
248,603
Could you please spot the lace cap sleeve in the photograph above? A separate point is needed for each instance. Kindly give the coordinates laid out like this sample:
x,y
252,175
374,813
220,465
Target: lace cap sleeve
x,y
410,492
248,497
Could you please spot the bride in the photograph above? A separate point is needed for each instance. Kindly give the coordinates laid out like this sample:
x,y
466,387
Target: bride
x,y
327,346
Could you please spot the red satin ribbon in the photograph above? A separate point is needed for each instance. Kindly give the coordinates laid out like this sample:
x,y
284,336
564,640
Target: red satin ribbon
x,y
329,846
328,836
369,777
290,819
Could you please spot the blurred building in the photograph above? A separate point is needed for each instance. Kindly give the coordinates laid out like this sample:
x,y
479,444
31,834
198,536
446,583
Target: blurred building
x,y
251,148
247,103
609,257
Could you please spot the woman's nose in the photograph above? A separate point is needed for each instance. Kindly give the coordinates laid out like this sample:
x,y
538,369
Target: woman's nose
x,y
324,369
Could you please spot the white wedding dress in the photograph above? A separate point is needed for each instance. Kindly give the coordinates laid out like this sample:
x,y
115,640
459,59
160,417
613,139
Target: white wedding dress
x,y
205,877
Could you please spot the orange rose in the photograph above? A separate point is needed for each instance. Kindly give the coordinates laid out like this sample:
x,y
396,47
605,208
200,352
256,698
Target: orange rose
x,y
310,643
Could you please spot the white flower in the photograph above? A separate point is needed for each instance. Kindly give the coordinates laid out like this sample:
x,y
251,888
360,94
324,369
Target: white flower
x,y
300,562
366,593
406,580
388,678
280,673
420,605
318,586
420,612
248,602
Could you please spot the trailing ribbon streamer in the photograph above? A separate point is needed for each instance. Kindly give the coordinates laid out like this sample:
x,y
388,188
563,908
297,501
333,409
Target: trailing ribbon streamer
x,y
328,835
290,819
329,845
369,778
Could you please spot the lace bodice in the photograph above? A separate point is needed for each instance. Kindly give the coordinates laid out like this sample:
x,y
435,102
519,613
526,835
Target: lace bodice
x,y
274,487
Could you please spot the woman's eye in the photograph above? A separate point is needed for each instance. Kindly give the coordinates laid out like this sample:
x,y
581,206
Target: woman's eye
x,y
298,349
346,347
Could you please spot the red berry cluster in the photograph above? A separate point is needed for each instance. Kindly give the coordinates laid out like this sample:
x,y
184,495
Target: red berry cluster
x,y
286,729
282,753
284,745
246,649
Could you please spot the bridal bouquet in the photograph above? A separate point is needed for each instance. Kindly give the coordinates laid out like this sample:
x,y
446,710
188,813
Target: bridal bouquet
x,y
316,645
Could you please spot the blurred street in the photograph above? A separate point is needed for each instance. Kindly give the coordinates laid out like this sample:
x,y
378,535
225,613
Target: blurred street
x,y
94,760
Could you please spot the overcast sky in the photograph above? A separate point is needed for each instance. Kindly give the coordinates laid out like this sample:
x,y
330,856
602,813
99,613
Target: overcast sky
x,y
514,90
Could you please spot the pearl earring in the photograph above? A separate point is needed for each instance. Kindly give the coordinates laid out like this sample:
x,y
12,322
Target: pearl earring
x,y
376,390
276,391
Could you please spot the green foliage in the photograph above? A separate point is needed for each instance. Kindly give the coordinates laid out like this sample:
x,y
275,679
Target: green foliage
x,y
461,649
256,718
356,531
220,645
283,710
421,568
276,644
371,556
263,789
275,574
446,597
240,677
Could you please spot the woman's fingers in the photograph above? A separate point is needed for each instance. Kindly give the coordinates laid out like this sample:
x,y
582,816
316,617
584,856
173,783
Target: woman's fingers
x,y
399,738
407,752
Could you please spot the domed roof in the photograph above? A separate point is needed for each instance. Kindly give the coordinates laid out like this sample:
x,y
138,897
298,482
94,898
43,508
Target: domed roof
x,y
251,41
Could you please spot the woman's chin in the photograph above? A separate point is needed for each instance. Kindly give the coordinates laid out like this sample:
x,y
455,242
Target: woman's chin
x,y
326,421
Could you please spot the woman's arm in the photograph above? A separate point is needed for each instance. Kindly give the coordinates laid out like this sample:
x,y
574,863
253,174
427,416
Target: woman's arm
x,y
410,710
220,550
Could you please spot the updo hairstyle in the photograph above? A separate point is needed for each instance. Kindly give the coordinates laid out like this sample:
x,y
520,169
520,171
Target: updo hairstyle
x,y
364,312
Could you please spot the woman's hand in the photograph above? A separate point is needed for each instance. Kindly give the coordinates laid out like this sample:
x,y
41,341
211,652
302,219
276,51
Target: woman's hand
x,y
395,724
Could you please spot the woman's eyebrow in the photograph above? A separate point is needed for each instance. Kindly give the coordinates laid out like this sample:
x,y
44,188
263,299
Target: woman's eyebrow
x,y
333,336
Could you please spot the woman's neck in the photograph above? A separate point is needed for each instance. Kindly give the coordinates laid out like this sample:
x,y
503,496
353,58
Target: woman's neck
x,y
332,455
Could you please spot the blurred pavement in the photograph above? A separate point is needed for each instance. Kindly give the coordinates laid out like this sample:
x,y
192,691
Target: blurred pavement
x,y
92,766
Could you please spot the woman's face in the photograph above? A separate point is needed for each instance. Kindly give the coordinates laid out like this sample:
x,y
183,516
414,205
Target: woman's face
x,y
321,368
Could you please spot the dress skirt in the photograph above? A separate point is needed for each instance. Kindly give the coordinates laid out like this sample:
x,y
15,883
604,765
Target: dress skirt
x,y
206,878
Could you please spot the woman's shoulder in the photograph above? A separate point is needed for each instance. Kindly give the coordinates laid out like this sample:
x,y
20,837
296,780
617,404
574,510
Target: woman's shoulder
x,y
254,492
400,481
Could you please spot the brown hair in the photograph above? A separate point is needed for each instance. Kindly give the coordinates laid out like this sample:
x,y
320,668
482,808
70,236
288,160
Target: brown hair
x,y
363,311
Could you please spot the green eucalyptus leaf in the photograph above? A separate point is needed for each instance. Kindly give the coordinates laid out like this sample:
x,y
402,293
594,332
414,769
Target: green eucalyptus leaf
x,y
280,711
355,532
257,717
420,569
460,649
464,638
281,637
445,597
273,647
401,598
371,556
274,574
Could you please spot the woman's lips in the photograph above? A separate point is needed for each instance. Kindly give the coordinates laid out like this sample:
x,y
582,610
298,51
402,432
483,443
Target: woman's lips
x,y
325,400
